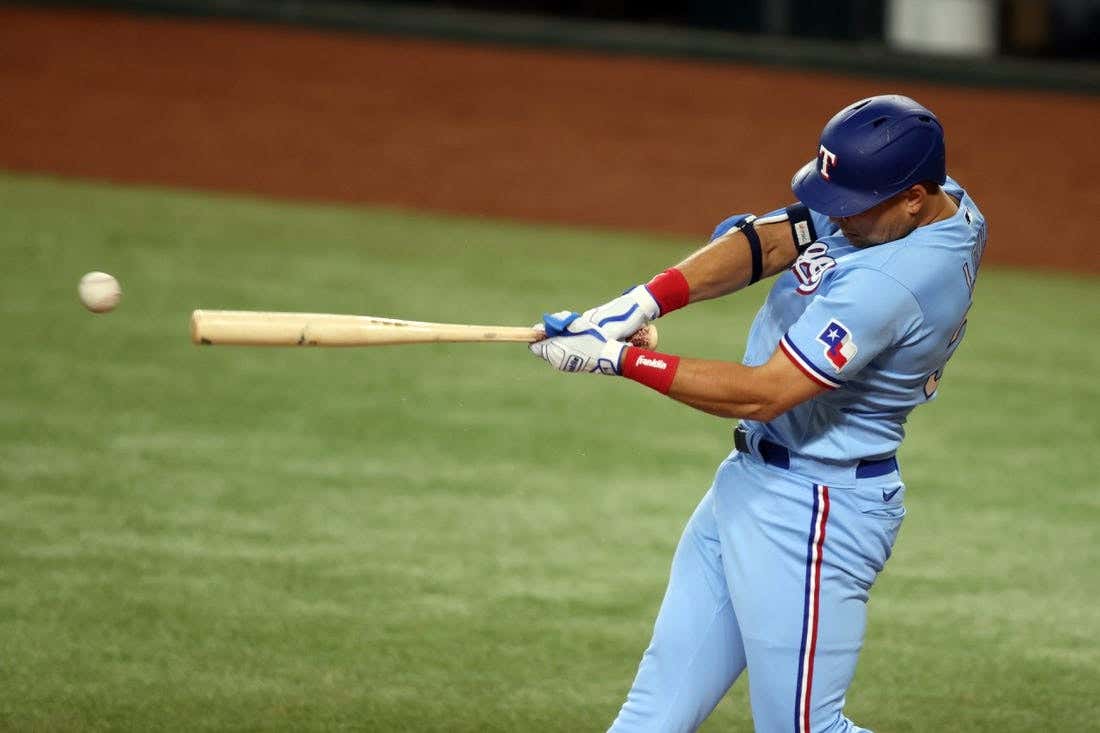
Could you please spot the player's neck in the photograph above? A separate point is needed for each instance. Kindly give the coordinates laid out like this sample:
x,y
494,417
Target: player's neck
x,y
939,207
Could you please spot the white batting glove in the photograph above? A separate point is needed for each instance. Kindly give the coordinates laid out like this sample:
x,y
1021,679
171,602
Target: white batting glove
x,y
624,315
575,344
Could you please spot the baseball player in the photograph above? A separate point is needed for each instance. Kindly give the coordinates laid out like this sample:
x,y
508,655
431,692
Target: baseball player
x,y
772,573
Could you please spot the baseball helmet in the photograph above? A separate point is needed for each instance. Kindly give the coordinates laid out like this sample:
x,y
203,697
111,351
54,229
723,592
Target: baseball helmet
x,y
870,151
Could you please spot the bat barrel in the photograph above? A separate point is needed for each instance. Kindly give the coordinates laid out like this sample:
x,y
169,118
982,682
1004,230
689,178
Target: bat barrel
x,y
263,328
259,328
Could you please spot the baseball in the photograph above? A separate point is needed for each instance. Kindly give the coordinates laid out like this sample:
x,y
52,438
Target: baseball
x,y
99,292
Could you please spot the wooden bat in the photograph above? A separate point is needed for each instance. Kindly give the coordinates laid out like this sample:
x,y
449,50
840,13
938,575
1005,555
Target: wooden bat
x,y
260,328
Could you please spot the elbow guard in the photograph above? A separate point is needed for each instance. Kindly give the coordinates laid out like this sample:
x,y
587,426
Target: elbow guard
x,y
797,215
802,224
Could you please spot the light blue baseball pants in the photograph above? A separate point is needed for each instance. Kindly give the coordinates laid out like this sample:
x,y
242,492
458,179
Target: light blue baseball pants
x,y
771,574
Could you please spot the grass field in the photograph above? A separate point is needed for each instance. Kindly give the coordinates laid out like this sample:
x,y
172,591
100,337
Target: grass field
x,y
455,538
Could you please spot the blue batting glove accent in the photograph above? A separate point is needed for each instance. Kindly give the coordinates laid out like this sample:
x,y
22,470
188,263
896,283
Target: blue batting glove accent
x,y
589,332
620,317
557,323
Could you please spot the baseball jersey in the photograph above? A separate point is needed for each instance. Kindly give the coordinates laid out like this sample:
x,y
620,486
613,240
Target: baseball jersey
x,y
874,326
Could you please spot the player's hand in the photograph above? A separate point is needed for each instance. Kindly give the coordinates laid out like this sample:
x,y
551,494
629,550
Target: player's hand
x,y
624,315
575,344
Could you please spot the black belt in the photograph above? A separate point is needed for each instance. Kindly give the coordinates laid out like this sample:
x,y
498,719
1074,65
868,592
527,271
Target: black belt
x,y
776,455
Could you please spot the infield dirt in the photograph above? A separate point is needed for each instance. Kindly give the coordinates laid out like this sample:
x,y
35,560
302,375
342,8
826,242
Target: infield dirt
x,y
575,138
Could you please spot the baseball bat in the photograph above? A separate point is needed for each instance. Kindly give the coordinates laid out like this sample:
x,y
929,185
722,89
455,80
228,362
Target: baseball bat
x,y
261,328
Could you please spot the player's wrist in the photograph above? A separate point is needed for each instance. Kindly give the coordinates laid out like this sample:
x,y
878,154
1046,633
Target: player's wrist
x,y
654,369
669,290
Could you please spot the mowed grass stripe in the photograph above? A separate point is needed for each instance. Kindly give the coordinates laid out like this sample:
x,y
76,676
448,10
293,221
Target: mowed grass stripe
x,y
452,537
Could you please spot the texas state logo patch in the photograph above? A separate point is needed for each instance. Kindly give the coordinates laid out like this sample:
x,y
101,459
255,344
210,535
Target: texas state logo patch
x,y
839,346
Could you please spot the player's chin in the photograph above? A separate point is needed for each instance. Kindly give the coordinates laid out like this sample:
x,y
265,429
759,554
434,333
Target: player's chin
x,y
856,240
860,240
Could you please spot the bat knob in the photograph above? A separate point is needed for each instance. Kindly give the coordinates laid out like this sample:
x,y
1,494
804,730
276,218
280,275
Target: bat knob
x,y
645,337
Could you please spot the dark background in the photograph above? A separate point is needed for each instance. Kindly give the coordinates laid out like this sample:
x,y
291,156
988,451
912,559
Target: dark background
x,y
1065,29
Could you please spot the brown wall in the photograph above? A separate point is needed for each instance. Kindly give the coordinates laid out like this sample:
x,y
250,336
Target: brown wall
x,y
668,146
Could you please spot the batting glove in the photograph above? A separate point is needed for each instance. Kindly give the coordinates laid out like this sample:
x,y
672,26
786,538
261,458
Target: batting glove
x,y
624,315
576,344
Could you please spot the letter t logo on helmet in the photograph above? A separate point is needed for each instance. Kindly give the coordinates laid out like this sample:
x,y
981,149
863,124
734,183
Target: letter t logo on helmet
x,y
828,158
888,143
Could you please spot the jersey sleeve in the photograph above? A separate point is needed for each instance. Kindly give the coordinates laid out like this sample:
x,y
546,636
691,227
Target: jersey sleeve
x,y
855,316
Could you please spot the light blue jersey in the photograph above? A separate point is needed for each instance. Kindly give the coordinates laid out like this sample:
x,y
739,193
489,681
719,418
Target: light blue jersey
x,y
773,571
874,325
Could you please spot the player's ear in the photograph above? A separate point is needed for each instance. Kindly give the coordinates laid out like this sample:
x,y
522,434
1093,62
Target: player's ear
x,y
914,198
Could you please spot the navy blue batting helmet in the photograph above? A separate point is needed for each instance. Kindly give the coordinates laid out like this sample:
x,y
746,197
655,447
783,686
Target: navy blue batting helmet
x,y
870,151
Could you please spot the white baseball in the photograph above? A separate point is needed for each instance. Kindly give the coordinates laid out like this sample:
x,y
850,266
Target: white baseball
x,y
99,292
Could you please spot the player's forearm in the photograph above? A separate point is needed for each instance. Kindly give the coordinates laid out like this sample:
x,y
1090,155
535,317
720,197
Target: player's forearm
x,y
725,265
725,389
731,261
722,388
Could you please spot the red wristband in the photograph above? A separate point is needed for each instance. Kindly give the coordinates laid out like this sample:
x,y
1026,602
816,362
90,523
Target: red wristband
x,y
651,368
670,290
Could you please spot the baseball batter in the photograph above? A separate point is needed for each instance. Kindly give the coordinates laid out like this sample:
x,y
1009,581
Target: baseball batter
x,y
879,260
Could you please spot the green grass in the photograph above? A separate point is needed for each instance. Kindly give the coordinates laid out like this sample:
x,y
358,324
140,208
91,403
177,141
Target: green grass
x,y
453,537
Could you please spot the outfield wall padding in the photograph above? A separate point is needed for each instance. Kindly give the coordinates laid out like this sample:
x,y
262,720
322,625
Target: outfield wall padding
x,y
570,137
